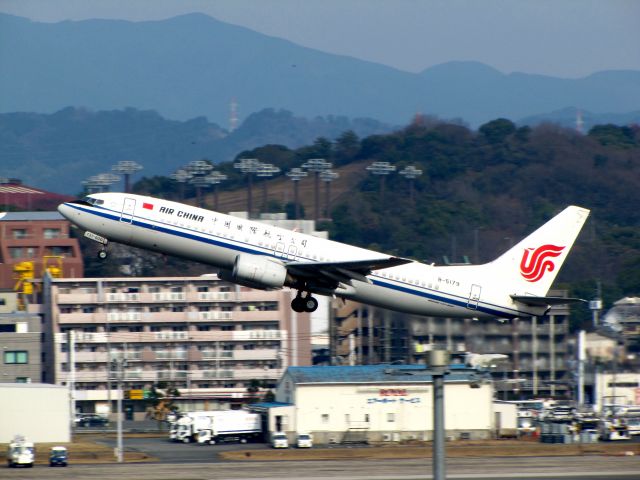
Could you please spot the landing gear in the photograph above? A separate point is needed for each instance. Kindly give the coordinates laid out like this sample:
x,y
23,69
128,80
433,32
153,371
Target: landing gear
x,y
304,304
102,254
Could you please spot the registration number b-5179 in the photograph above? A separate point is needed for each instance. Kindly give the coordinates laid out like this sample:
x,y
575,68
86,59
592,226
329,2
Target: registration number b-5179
x,y
95,237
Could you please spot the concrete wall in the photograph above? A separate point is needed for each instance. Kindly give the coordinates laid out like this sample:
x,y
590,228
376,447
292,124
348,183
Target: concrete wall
x,y
38,411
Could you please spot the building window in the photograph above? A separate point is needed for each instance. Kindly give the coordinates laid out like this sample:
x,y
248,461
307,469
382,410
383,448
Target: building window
x,y
22,252
58,251
23,380
19,233
391,417
51,233
17,356
325,418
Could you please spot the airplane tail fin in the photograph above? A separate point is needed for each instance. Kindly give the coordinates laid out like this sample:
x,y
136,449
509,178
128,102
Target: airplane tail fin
x,y
530,267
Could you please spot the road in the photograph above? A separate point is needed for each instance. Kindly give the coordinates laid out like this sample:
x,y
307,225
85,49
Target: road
x,y
556,468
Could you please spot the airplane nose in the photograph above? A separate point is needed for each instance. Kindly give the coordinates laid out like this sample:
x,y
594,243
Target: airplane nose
x,y
64,210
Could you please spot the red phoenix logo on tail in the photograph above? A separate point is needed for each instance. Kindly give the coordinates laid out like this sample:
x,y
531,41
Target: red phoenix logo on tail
x,y
533,268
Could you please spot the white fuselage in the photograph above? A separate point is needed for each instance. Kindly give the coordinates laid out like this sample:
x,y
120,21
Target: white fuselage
x,y
217,239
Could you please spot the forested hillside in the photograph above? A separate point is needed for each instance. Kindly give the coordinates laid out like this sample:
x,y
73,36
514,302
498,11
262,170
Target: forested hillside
x,y
480,192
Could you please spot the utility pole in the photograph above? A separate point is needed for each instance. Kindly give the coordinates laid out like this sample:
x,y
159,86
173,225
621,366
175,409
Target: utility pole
x,y
438,363
120,364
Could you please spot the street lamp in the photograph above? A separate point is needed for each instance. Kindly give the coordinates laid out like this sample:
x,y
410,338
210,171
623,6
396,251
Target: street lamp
x,y
126,168
266,170
328,176
316,165
296,174
410,173
382,169
248,166
216,178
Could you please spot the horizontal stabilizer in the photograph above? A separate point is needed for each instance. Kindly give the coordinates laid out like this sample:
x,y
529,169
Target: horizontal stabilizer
x,y
545,301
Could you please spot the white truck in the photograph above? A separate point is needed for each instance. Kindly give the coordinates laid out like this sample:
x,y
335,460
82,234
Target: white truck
x,y
186,428
230,426
20,452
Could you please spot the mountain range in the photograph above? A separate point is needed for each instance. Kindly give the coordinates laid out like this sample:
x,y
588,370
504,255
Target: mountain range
x,y
194,65
76,143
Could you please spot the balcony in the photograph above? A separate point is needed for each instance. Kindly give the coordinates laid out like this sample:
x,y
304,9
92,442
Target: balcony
x,y
123,297
76,298
215,315
259,335
80,318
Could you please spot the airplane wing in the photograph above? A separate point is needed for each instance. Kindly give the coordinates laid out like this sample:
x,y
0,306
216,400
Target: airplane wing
x,y
545,301
343,271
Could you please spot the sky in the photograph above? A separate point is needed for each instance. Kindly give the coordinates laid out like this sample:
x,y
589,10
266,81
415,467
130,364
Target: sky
x,y
561,38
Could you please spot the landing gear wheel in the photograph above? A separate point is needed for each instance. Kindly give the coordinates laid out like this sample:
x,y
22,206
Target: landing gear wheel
x,y
102,254
298,304
310,304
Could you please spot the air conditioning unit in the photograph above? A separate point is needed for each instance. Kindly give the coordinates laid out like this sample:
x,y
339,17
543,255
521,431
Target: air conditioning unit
x,y
386,437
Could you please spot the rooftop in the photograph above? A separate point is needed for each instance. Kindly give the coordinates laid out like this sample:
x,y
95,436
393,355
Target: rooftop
x,y
29,216
383,373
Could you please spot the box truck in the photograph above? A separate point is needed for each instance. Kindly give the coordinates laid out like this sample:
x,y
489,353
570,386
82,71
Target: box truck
x,y
230,426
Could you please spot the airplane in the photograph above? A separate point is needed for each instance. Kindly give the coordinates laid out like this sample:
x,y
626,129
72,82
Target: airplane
x,y
265,257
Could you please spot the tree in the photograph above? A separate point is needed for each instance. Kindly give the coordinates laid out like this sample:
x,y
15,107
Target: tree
x,y
496,131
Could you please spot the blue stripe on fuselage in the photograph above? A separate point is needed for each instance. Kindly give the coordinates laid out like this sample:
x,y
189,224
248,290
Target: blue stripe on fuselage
x,y
376,281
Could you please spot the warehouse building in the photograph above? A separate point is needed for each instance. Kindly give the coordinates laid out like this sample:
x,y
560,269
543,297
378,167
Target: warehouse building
x,y
380,403
37,411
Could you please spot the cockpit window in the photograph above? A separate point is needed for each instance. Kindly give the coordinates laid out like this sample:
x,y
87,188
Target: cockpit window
x,y
93,201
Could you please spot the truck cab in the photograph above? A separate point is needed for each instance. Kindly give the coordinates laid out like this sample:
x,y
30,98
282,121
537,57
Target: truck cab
x,y
20,453
58,456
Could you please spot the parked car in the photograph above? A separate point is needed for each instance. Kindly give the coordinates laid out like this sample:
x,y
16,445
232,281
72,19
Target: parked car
x,y
58,456
92,421
304,440
279,440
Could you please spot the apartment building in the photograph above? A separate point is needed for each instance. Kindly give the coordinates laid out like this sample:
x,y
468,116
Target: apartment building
x,y
208,338
537,351
21,342
38,237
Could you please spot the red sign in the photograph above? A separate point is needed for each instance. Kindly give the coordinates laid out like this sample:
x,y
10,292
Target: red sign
x,y
148,206
393,392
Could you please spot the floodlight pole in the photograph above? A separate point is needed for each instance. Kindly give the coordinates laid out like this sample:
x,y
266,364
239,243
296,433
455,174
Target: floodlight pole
x,y
248,166
296,174
126,168
316,165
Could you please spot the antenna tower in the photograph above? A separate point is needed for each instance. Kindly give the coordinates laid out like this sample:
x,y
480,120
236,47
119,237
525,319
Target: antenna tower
x,y
233,115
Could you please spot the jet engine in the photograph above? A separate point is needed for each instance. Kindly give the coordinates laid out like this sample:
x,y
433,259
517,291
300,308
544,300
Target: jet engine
x,y
256,272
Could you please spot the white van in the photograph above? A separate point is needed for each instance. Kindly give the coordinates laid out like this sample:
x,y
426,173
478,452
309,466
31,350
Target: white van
x,y
279,440
304,440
